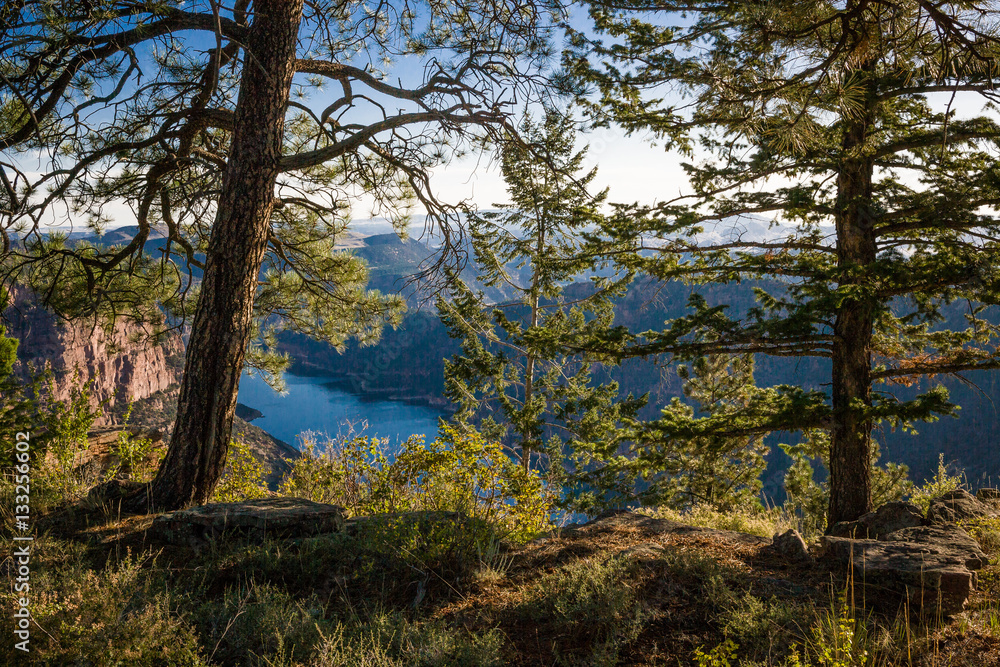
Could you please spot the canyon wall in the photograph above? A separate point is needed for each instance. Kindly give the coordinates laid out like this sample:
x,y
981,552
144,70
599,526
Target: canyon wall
x,y
123,364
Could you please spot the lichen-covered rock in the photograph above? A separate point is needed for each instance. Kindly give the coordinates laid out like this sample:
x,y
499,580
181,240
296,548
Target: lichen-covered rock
x,y
886,519
947,536
272,517
959,505
791,545
933,580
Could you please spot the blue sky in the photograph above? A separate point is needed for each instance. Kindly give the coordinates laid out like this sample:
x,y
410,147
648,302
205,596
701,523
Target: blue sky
x,y
630,166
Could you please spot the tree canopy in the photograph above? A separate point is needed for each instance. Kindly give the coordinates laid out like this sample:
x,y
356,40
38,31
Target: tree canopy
x,y
241,132
856,128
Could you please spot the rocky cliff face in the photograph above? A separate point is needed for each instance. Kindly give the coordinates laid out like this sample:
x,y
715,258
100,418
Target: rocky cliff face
x,y
123,364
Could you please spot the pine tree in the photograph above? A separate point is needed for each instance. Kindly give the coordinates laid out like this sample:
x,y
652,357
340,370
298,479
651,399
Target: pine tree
x,y
512,379
721,471
205,118
840,122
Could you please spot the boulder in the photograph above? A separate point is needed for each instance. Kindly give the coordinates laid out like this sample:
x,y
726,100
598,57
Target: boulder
x,y
959,505
791,545
947,536
932,579
273,517
886,519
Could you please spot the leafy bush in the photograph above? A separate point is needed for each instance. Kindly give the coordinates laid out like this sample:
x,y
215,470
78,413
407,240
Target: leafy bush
x,y
720,656
243,478
458,472
130,453
986,531
59,431
67,423
18,410
940,484
591,600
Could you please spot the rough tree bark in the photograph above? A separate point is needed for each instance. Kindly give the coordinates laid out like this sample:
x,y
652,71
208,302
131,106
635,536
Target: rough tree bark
x,y
850,441
221,327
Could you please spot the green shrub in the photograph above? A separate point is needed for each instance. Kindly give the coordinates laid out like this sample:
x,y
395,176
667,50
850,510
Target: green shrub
x,y
130,453
590,602
59,431
760,627
986,531
113,616
256,623
458,472
243,478
349,472
18,407
67,423
940,484
720,656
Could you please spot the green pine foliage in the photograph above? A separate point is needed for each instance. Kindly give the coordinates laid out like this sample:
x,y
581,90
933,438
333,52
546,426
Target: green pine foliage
x,y
707,469
839,123
719,471
518,377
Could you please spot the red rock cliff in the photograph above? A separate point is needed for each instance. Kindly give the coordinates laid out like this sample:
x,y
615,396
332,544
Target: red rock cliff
x,y
124,364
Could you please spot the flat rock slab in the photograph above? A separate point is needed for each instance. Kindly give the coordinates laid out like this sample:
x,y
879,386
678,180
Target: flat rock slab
x,y
271,517
948,537
933,578
887,519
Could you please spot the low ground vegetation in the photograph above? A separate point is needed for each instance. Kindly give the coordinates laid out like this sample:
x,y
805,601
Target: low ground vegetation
x,y
504,587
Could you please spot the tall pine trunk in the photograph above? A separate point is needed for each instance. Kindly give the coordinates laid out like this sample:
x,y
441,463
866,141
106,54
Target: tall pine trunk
x,y
221,328
529,366
850,443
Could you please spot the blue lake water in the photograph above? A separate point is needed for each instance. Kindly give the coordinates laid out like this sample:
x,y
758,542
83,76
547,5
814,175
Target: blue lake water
x,y
316,404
